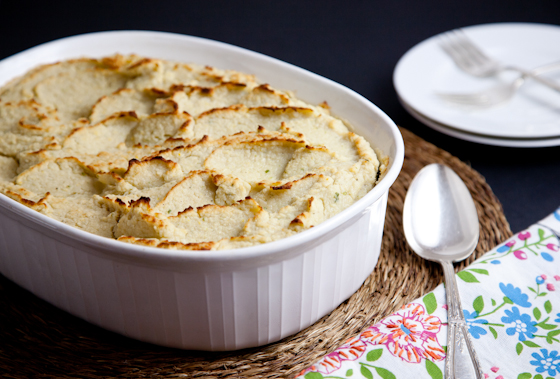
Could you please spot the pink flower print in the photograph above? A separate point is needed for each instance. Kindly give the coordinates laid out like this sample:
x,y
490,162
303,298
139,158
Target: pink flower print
x,y
524,235
330,362
410,334
552,247
510,243
494,369
486,376
444,306
353,349
557,277
499,377
543,276
520,254
550,287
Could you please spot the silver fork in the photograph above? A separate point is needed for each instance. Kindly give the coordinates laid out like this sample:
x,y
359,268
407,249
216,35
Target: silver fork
x,y
494,95
471,59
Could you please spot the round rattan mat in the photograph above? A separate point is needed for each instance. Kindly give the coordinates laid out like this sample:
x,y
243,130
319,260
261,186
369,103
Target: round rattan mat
x,y
39,341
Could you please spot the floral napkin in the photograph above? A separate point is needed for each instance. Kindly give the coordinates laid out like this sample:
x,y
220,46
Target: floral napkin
x,y
511,300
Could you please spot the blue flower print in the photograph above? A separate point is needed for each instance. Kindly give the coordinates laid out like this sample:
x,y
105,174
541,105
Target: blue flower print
x,y
558,319
547,257
520,323
547,362
503,249
539,280
475,330
515,295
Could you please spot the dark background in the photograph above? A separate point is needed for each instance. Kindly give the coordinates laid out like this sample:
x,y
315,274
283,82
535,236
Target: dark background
x,y
356,43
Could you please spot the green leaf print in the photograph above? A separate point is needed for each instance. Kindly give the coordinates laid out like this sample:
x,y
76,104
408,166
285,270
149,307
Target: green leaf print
x,y
374,355
530,344
313,375
430,302
494,333
519,348
525,375
433,370
538,376
366,373
548,306
384,373
478,304
467,277
350,372
537,313
479,271
541,234
550,336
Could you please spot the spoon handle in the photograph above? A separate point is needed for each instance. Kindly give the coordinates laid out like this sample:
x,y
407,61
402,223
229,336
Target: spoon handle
x,y
461,361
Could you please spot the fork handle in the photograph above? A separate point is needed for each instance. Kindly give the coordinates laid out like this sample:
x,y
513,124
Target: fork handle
x,y
534,75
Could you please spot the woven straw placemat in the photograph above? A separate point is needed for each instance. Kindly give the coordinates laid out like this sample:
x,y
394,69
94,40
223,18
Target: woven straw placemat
x,y
39,341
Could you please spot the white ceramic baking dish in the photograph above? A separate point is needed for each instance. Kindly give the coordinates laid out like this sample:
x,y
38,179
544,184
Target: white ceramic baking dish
x,y
207,300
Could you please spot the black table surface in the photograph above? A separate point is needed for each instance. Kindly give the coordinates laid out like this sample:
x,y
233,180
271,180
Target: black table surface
x,y
356,43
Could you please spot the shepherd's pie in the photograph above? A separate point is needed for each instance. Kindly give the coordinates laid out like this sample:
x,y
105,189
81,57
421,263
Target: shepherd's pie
x,y
178,156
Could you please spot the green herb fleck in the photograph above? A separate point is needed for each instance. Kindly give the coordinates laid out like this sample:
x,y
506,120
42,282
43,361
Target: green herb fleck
x,y
267,171
169,211
336,194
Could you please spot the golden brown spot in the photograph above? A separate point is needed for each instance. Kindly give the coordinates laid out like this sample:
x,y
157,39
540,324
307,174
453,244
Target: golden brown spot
x,y
235,107
141,62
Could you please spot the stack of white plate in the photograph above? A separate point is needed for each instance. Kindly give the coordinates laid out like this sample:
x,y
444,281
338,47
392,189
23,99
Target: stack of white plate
x,y
530,119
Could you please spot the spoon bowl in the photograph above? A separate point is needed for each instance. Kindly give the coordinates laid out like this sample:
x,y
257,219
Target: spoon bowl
x,y
441,224
439,218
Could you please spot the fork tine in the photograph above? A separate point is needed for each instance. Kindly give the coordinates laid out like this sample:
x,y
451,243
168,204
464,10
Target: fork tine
x,y
469,47
454,45
448,44
465,48
466,55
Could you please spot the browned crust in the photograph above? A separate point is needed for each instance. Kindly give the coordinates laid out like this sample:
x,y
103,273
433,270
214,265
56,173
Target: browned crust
x,y
289,185
135,162
41,203
127,114
141,62
235,107
273,109
168,244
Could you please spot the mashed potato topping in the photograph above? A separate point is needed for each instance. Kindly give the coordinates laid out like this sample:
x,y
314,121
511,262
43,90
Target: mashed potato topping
x,y
178,156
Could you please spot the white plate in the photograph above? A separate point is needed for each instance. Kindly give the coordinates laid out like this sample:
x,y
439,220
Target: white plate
x,y
485,140
534,112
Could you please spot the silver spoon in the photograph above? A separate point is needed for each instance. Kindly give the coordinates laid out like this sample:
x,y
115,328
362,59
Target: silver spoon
x,y
440,224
